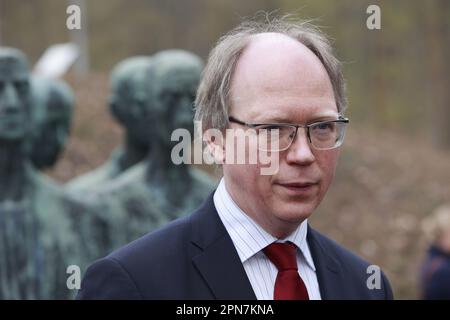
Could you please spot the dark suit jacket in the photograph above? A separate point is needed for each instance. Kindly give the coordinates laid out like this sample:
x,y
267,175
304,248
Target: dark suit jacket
x,y
194,258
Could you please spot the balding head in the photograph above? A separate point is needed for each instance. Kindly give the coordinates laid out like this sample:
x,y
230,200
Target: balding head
x,y
274,62
213,96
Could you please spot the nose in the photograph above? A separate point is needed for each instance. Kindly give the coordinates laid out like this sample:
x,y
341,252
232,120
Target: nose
x,y
10,101
300,152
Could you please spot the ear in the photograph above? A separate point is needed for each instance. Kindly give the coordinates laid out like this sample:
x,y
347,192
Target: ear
x,y
215,143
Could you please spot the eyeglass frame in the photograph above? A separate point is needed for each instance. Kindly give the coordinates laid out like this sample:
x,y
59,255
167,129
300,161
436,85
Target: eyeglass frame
x,y
340,119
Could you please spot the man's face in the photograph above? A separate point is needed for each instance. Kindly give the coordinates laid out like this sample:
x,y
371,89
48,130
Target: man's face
x,y
14,98
278,80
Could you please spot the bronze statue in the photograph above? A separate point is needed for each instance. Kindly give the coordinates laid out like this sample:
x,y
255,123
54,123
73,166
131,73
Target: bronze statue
x,y
38,236
129,105
156,190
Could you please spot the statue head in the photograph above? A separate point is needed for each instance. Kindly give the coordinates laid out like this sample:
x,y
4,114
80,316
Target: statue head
x,y
14,94
53,103
174,75
129,100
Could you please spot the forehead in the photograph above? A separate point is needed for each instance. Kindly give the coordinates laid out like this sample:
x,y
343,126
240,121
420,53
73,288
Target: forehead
x,y
279,76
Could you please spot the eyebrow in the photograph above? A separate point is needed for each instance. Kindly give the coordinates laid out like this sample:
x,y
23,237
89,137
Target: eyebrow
x,y
284,119
328,117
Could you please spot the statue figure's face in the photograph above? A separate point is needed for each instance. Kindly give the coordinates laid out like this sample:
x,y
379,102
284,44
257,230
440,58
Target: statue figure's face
x,y
175,95
53,125
14,95
129,100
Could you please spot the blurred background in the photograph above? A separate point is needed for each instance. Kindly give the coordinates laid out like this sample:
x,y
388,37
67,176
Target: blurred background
x,y
395,164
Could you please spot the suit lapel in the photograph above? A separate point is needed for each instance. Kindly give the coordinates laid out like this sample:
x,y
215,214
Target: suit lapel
x,y
218,262
329,273
222,269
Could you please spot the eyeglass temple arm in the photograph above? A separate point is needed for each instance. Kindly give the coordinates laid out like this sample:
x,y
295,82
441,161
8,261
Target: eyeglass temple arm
x,y
346,120
232,119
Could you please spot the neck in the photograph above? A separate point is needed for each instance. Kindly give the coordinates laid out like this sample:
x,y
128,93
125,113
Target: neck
x,y
133,154
12,171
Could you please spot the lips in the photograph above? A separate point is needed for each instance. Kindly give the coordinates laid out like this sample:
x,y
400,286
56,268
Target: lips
x,y
298,188
297,184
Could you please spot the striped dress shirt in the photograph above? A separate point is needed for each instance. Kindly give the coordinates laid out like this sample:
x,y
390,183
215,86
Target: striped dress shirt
x,y
249,239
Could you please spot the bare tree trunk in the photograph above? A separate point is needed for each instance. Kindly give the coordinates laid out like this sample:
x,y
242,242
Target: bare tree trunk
x,y
1,21
81,39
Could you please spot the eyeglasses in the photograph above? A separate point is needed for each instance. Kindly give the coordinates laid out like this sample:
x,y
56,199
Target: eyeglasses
x,y
323,135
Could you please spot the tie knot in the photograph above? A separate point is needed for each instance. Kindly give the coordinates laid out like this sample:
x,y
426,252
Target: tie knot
x,y
282,255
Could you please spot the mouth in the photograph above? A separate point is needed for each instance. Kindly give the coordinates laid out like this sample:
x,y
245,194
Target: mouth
x,y
298,188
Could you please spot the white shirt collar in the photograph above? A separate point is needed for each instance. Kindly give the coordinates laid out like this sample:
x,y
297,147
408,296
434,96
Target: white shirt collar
x,y
248,237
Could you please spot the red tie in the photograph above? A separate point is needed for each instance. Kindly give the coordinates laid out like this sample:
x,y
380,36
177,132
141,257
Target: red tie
x,y
288,285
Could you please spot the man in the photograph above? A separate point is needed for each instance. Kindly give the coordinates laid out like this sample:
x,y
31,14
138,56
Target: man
x,y
128,104
250,239
53,113
156,190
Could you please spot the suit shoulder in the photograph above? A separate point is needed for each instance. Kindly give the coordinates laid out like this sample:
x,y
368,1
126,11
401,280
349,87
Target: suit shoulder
x,y
97,284
353,266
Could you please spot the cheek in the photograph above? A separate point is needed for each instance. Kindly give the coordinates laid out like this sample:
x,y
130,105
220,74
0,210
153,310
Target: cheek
x,y
263,183
243,175
249,180
327,162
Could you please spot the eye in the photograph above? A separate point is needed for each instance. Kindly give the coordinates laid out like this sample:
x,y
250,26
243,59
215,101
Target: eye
x,y
283,131
271,127
268,128
323,128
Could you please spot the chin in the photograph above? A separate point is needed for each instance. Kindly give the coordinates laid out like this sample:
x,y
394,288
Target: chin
x,y
294,211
